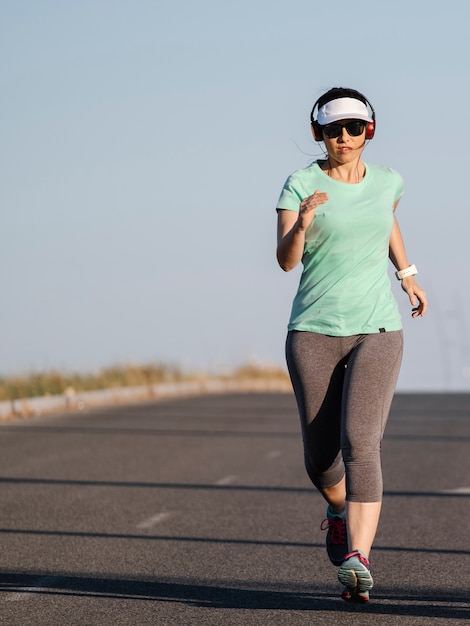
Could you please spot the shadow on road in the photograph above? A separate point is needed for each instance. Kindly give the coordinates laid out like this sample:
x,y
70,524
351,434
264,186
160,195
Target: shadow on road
x,y
213,540
17,480
259,596
205,433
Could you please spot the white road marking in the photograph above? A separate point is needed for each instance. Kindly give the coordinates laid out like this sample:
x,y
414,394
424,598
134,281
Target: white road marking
x,y
27,593
153,521
462,490
273,454
227,480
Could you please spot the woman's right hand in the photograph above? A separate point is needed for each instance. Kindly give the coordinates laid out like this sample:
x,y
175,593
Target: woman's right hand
x,y
307,208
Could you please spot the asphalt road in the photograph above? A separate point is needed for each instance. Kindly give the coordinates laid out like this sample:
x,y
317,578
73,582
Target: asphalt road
x,y
198,511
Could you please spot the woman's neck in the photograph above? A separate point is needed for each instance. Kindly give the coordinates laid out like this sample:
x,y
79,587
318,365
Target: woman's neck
x,y
351,173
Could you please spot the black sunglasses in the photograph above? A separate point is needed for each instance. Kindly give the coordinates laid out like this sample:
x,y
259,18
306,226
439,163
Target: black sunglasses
x,y
354,129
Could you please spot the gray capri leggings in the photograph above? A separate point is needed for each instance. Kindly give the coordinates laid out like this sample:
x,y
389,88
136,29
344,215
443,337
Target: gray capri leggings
x,y
344,388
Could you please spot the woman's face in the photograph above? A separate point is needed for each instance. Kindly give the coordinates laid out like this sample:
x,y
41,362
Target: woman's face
x,y
345,147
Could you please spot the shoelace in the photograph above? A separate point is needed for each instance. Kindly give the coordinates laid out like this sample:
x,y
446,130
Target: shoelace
x,y
338,530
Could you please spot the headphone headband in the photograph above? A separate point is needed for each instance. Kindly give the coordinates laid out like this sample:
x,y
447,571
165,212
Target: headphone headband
x,y
334,94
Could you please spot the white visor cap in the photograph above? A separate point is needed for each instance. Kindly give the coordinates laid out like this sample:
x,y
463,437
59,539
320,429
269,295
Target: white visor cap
x,y
343,109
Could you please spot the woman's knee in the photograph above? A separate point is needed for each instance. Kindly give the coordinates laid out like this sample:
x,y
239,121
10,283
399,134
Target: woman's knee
x,y
324,473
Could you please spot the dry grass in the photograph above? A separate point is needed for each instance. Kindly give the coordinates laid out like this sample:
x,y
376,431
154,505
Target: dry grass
x,y
53,383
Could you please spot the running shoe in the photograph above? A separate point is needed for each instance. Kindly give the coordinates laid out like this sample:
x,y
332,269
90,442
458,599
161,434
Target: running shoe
x,y
355,574
336,537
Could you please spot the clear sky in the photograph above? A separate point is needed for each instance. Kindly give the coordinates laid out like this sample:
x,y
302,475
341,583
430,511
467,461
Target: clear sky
x,y
143,146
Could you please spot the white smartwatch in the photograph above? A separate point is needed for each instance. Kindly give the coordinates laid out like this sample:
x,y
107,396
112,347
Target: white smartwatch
x,y
408,271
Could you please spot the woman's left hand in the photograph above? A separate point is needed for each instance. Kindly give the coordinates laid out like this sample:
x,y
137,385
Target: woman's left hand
x,y
416,295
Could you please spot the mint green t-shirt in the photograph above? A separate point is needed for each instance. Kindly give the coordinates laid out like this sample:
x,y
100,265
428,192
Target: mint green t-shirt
x,y
344,287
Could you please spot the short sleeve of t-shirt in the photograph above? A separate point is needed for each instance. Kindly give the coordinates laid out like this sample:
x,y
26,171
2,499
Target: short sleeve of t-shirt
x,y
291,194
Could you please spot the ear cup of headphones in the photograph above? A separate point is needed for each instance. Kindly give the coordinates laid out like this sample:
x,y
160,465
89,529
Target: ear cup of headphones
x,y
317,131
370,130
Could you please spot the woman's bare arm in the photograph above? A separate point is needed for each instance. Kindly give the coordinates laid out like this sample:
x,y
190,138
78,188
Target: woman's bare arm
x,y
399,259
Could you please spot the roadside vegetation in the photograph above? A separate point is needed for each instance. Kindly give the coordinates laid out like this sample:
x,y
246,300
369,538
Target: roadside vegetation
x,y
54,382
